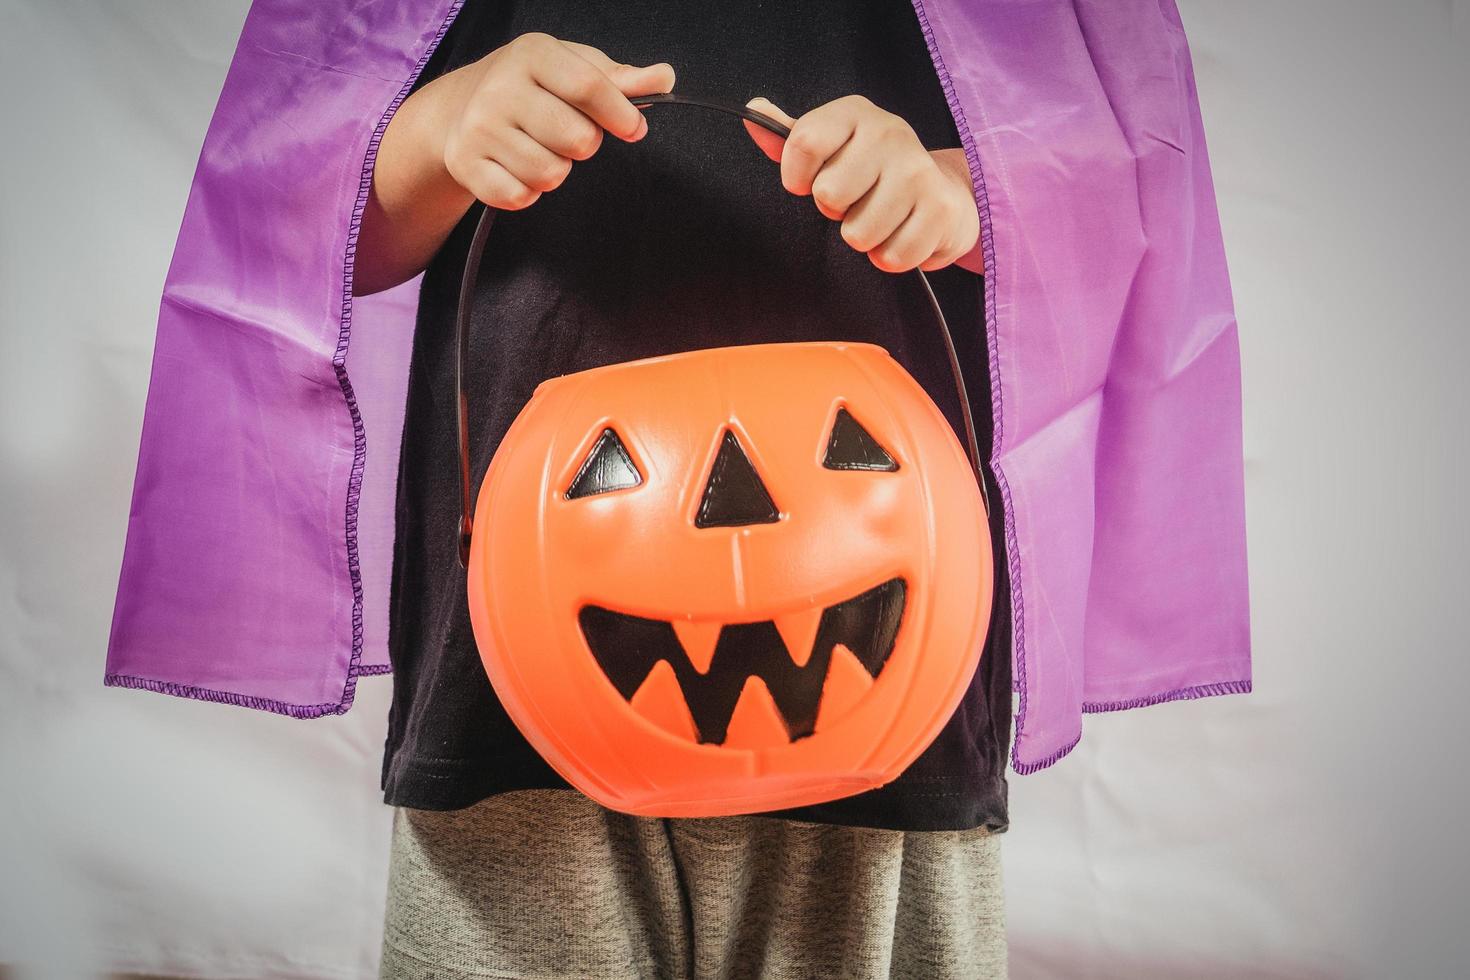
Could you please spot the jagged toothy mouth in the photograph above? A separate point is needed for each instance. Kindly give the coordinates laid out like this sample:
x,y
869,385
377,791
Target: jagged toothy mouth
x,y
810,664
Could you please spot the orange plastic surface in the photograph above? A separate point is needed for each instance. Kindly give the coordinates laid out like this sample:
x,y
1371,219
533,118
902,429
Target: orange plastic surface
x,y
537,558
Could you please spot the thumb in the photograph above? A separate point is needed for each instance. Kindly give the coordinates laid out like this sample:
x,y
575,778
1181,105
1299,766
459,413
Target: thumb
x,y
768,141
631,80
634,80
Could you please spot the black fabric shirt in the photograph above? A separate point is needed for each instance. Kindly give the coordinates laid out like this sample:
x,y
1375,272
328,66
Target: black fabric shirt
x,y
685,240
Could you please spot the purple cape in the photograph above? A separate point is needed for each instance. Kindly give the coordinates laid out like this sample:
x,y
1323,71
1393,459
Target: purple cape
x,y
261,529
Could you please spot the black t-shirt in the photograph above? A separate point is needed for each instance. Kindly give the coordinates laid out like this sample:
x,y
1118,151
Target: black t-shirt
x,y
685,240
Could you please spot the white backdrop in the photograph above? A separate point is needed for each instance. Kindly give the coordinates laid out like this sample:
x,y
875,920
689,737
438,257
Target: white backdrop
x,y
1312,829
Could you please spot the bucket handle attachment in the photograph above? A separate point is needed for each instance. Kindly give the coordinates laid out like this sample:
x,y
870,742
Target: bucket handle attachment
x,y
467,305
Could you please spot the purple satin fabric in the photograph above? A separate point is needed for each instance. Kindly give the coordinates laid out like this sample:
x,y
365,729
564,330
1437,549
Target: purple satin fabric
x,y
259,540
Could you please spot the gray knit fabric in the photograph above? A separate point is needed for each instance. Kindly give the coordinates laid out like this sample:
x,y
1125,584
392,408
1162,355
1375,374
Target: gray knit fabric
x,y
547,884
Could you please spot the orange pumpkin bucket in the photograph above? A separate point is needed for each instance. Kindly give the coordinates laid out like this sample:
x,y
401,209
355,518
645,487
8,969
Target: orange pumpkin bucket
x,y
729,580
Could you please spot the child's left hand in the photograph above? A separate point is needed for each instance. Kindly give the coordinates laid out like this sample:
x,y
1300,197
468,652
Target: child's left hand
x,y
902,205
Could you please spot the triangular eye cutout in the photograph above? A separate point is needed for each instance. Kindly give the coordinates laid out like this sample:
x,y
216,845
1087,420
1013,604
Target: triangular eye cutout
x,y
853,448
607,467
735,495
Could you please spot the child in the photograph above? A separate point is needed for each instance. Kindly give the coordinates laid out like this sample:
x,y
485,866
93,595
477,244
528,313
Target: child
x,y
674,235
255,534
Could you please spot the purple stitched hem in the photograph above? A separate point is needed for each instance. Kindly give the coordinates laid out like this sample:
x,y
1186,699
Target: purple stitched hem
x,y
997,395
1181,694
1094,707
1027,768
229,697
339,364
243,700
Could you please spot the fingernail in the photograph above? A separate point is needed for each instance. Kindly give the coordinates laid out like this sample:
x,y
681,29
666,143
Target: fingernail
x,y
642,129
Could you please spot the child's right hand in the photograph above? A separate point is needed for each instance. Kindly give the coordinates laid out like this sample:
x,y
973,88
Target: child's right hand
x,y
516,120
505,129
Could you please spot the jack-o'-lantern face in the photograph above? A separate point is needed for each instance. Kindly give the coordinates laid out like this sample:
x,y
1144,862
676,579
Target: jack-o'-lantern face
x,y
731,580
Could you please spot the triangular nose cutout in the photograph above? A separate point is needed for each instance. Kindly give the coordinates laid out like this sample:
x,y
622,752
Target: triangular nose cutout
x,y
735,495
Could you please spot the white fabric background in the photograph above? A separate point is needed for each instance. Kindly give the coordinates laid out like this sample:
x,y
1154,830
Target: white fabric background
x,y
1312,829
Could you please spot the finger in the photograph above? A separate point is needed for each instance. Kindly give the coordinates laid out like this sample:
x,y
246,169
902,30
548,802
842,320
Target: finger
x,y
562,129
941,259
573,79
945,256
846,177
878,214
493,184
770,144
910,244
813,140
529,161
962,224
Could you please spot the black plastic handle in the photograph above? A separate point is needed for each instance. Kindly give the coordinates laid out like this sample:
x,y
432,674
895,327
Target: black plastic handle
x,y
467,305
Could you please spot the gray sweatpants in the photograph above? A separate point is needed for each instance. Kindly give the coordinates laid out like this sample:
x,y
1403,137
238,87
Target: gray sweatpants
x,y
547,884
